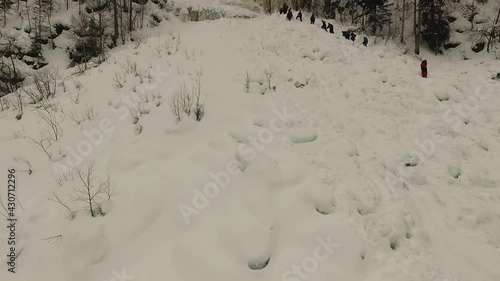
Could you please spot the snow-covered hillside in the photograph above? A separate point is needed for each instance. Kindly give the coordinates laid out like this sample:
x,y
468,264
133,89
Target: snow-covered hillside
x,y
339,163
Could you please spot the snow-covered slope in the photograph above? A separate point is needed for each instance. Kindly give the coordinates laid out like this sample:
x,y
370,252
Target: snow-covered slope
x,y
351,167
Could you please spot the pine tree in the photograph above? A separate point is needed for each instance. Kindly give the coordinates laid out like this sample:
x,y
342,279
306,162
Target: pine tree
x,y
379,14
435,28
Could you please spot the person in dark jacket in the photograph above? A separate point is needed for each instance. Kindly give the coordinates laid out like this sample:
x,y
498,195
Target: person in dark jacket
x,y
423,67
281,11
285,8
299,16
365,41
353,36
330,27
289,15
346,34
324,25
313,19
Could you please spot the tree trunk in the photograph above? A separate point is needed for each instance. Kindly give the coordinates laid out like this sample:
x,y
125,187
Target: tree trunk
x,y
115,20
416,25
403,23
472,15
28,14
14,69
130,16
38,33
143,8
4,13
492,32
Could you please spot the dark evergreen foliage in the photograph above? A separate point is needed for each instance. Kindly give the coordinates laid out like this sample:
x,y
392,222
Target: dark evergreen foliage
x,y
435,27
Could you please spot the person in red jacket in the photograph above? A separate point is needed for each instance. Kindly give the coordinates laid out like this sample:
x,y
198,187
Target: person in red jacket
x,y
423,67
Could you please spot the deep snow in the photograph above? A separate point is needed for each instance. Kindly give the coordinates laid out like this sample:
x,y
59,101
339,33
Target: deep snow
x,y
328,173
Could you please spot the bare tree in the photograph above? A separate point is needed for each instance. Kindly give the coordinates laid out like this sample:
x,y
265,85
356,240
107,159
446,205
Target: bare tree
x,y
18,103
45,81
48,113
199,105
186,99
247,82
108,186
55,197
268,73
494,31
88,189
176,105
43,143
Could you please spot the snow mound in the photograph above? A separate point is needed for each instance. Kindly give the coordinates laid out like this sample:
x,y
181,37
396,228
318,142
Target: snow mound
x,y
303,136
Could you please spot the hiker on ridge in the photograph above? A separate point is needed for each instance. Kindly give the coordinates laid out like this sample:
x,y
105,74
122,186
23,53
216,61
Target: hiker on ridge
x,y
324,25
365,41
423,67
313,19
330,27
299,16
289,16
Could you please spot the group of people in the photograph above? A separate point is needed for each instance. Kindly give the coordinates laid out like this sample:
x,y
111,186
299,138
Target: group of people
x,y
328,27
288,11
349,35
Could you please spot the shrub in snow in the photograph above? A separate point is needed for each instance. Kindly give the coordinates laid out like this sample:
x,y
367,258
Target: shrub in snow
x,y
268,75
211,14
47,112
182,14
176,105
89,189
199,105
247,82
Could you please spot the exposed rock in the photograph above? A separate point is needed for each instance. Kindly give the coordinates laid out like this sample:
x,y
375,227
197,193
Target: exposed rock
x,y
478,47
